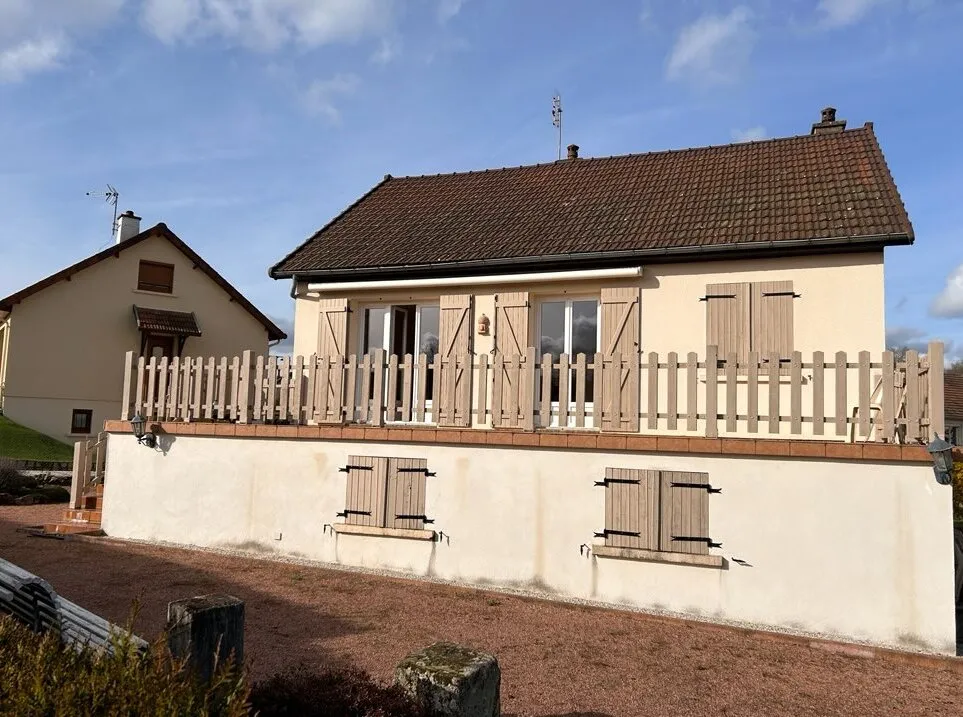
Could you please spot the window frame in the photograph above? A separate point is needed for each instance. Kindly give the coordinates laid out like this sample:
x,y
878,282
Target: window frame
x,y
86,412
568,300
153,288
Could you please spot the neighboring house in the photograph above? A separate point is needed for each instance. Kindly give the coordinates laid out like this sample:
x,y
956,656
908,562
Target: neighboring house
x,y
953,406
63,338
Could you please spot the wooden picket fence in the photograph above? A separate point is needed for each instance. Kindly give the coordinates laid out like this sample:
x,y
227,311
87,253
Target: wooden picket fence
x,y
879,399
89,467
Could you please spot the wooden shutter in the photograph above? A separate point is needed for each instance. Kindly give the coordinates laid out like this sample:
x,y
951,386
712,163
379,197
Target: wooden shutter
x,y
365,502
620,337
727,319
511,346
684,512
454,395
772,318
406,493
154,276
632,508
332,348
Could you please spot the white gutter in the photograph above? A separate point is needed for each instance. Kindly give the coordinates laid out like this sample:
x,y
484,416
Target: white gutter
x,y
620,273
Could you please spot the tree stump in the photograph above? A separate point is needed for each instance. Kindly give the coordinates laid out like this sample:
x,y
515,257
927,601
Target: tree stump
x,y
450,680
205,631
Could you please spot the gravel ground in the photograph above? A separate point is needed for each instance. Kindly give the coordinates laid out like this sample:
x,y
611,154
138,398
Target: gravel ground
x,y
557,659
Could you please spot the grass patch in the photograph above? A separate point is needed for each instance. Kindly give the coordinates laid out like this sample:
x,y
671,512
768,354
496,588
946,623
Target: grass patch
x,y
17,441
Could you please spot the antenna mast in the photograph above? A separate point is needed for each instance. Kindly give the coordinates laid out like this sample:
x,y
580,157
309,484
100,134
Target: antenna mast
x,y
557,119
111,196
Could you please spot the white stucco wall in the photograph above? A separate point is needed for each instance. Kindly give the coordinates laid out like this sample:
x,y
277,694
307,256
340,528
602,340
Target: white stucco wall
x,y
846,549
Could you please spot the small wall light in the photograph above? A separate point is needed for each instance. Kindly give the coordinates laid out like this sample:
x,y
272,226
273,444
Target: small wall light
x,y
942,453
483,324
137,424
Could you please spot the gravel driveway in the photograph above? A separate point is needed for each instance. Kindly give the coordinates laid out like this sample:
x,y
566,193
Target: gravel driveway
x,y
557,659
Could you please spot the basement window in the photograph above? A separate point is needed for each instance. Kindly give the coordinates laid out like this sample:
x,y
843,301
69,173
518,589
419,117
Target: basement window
x,y
157,277
81,421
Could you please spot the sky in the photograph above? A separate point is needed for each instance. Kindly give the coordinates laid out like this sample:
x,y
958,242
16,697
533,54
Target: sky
x,y
246,125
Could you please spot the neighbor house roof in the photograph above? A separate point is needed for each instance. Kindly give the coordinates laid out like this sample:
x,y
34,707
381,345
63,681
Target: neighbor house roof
x,y
161,230
953,396
160,321
804,193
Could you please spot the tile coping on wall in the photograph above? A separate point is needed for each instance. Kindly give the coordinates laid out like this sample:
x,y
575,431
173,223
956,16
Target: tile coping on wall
x,y
765,447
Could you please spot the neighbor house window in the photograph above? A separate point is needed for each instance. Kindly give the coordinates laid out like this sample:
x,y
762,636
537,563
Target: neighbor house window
x,y
746,317
81,421
154,276
569,326
386,492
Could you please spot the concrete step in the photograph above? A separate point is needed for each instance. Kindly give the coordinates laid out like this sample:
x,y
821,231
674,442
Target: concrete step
x,y
85,516
72,529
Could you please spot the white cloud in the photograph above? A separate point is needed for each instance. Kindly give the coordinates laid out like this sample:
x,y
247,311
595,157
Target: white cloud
x,y
321,95
839,13
267,24
749,135
949,302
29,57
714,49
447,9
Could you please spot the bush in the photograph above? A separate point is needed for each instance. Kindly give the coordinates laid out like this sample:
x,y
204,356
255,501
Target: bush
x,y
39,676
345,692
12,481
958,486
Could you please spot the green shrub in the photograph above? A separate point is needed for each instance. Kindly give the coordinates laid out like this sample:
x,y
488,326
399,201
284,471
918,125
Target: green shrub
x,y
39,676
958,487
12,481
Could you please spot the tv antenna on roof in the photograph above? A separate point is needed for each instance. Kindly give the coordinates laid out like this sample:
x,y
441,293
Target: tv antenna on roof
x,y
557,119
110,196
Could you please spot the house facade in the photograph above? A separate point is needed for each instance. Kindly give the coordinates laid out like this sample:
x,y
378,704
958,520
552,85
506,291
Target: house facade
x,y
654,381
63,337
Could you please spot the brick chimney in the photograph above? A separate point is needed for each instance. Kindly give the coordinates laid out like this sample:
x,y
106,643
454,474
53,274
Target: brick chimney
x,y
573,151
128,225
829,123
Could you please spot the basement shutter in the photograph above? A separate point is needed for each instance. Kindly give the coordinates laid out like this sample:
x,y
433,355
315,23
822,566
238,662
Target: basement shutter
x,y
772,319
511,344
727,319
684,512
620,336
406,493
631,508
454,394
365,503
332,346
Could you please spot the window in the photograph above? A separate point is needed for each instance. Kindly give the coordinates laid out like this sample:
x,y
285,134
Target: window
x,y
953,435
81,421
569,326
386,493
751,317
153,276
657,511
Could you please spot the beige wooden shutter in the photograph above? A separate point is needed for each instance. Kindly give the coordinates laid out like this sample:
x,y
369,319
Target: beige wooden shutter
x,y
684,512
632,508
406,493
333,348
620,336
727,319
511,345
772,318
454,395
365,502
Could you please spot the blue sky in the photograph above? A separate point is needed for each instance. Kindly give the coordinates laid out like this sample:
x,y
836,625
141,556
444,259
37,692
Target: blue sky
x,y
247,124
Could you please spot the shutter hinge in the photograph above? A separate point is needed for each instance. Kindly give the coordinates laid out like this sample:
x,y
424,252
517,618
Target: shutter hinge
x,y
793,294
688,539
416,470
346,512
424,518
717,296
347,469
705,486
605,483
606,533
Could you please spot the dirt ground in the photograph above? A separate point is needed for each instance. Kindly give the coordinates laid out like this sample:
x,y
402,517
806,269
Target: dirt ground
x,y
557,660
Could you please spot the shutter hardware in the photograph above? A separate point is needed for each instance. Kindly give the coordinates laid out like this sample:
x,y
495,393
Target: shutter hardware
x,y
348,512
717,296
688,539
705,486
605,483
606,533
348,469
422,518
793,294
416,470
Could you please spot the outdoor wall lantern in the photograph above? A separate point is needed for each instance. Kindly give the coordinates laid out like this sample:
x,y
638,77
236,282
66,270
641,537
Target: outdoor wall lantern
x,y
942,453
483,324
143,437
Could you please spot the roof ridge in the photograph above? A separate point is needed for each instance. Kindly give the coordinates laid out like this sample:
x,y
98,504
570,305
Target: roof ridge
x,y
582,160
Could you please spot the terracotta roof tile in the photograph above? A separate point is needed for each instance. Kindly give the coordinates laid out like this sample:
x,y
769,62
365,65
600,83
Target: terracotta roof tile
x,y
953,396
798,188
166,322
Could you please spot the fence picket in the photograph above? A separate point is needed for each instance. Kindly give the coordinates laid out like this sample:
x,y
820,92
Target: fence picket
x,y
422,380
712,391
235,377
598,389
652,410
149,403
297,391
186,389
482,415
841,415
819,393
935,378
887,382
581,384
752,393
139,403
912,396
435,387
376,417
322,384
613,386
391,396
351,395
222,388
497,386
174,391
865,389
125,414
672,392
528,390
795,393
311,391
545,411
197,412
692,391
270,399
773,392
564,390
209,392
364,401
259,389
732,368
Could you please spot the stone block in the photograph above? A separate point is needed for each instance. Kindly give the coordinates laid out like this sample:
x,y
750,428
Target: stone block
x,y
450,680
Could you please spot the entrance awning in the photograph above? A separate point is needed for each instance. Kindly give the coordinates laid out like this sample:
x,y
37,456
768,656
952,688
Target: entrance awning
x,y
159,321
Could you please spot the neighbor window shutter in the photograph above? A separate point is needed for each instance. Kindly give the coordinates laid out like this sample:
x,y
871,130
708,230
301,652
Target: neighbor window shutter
x,y
332,347
365,495
511,340
406,493
620,335
772,318
454,394
727,319
684,512
632,508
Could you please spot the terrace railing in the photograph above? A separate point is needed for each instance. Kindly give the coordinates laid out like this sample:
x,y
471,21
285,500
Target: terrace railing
x,y
861,398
